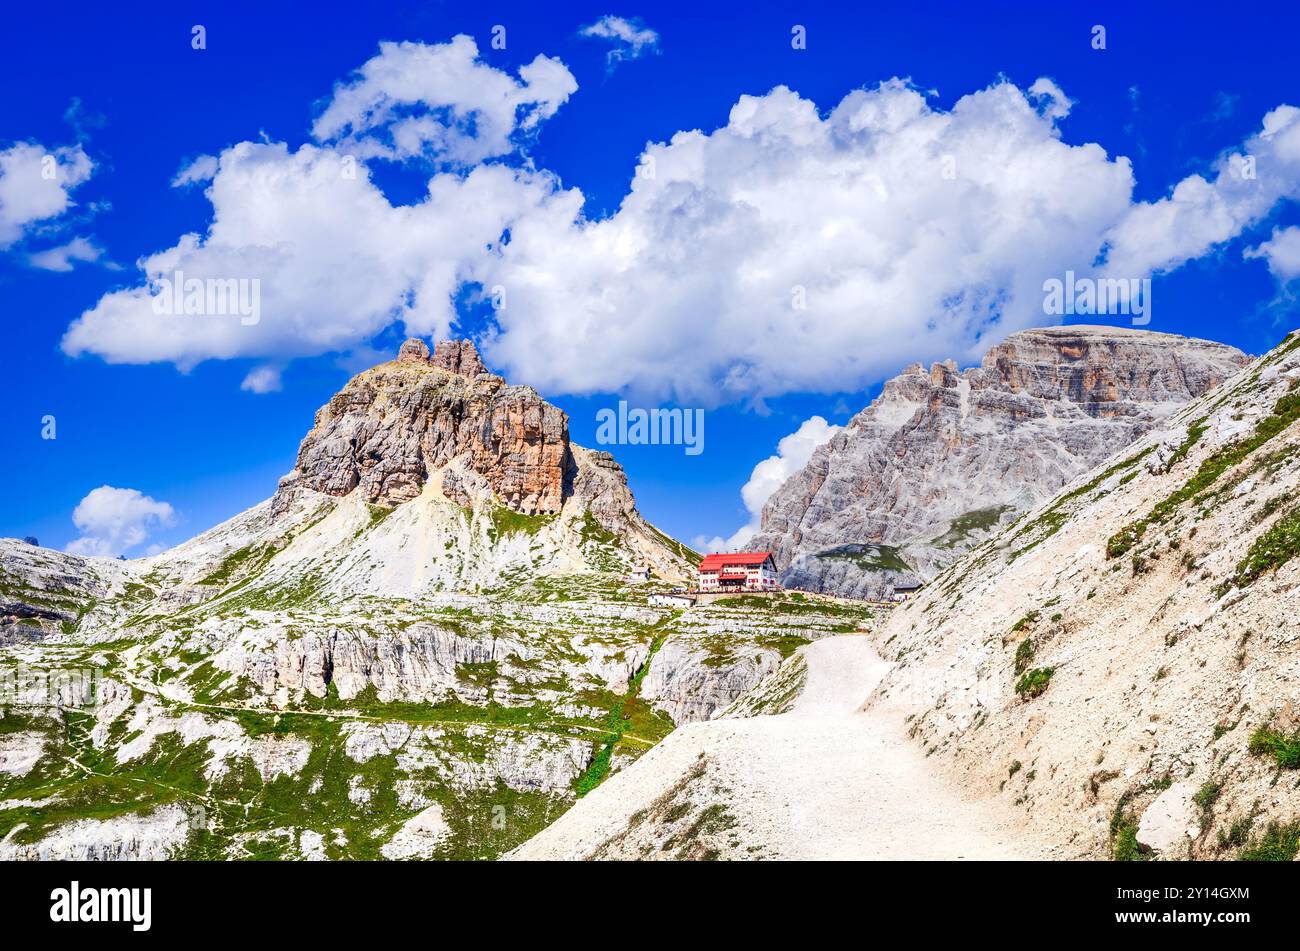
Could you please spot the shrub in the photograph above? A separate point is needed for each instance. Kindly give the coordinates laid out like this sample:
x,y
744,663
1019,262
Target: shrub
x,y
1283,747
1119,543
1205,799
1034,682
1024,622
1124,846
1024,655
1238,833
1275,503
1279,843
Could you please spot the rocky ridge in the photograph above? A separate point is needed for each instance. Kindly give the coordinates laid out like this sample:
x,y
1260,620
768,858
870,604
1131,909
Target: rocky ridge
x,y
944,457
1122,663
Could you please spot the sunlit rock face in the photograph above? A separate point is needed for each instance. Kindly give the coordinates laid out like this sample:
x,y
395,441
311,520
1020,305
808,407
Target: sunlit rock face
x,y
394,424
943,456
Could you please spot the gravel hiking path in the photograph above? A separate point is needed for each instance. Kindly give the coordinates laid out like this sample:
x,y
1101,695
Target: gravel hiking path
x,y
827,780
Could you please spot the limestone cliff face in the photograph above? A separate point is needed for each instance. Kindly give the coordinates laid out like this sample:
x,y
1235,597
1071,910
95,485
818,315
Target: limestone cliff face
x,y
1155,599
391,426
944,456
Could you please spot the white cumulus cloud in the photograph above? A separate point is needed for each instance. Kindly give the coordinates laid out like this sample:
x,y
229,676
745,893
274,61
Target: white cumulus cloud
x,y
794,251
36,185
441,100
1052,102
336,262
262,379
792,454
112,521
790,250
1281,252
201,169
1202,213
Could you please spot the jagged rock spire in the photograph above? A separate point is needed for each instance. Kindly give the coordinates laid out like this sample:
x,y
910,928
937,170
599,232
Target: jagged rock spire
x,y
455,356
458,356
414,350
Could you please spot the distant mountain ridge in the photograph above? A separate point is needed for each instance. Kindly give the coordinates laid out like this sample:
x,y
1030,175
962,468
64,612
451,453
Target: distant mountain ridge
x,y
943,457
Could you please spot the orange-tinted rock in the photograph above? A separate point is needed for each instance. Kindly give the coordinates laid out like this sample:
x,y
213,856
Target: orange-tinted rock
x,y
458,356
394,424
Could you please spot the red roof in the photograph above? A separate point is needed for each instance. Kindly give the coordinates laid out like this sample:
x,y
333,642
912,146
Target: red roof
x,y
715,562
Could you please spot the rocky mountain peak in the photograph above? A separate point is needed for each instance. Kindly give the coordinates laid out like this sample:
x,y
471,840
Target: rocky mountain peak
x,y
458,356
455,356
438,423
394,426
1099,367
944,455
414,350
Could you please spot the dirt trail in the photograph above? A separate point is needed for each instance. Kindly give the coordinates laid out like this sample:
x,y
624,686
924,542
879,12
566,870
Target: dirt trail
x,y
825,781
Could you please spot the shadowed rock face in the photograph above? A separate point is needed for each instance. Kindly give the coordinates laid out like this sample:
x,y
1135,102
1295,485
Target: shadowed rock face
x,y
942,456
390,426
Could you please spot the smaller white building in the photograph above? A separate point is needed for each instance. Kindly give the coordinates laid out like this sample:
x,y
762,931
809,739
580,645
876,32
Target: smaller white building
x,y
639,573
902,592
672,601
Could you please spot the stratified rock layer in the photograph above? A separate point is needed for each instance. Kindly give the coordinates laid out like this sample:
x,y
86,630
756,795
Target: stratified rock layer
x,y
943,456
392,425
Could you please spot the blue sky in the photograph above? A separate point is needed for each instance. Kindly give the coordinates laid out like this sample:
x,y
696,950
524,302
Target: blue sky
x,y
1171,92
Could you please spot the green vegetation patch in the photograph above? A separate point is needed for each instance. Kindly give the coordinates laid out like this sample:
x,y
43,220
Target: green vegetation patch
x,y
685,552
590,530
870,557
1025,622
1279,843
784,644
1205,798
1125,846
1055,515
1124,824
378,513
1024,656
244,561
1283,747
1271,550
629,715
961,528
509,522
1034,682
1285,412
